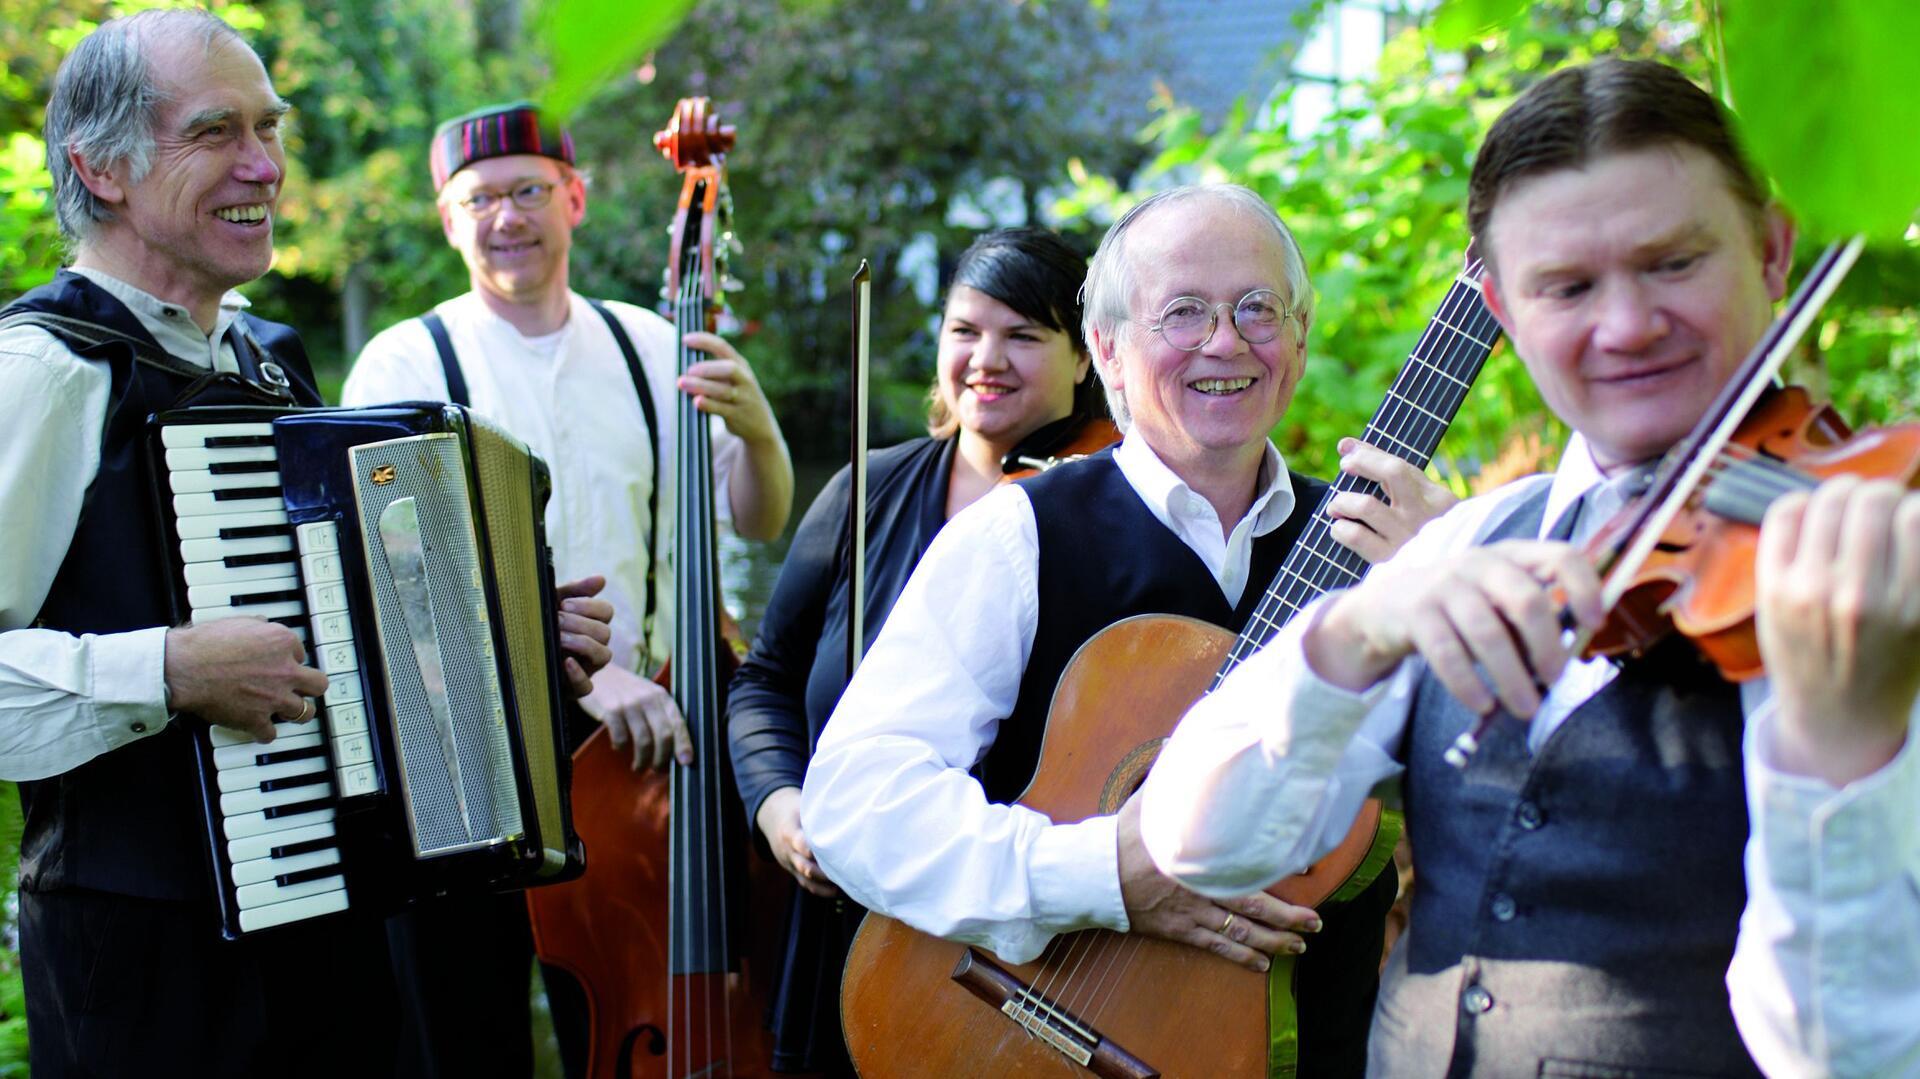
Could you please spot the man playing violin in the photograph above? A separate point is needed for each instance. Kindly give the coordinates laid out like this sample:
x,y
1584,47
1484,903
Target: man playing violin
x,y
1198,306
1653,870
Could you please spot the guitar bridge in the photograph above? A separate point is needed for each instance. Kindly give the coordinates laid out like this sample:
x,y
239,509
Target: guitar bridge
x,y
1046,1021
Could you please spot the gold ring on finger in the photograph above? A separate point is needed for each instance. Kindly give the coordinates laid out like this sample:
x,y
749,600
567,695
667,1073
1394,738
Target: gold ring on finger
x,y
306,709
1225,924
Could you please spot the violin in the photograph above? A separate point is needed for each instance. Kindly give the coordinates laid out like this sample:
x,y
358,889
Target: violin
x,y
1680,557
1057,443
657,931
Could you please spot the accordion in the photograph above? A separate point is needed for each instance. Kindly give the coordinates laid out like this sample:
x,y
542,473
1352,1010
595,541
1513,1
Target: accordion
x,y
405,545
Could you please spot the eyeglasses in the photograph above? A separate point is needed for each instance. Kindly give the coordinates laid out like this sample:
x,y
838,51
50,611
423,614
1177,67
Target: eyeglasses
x,y
1187,322
528,196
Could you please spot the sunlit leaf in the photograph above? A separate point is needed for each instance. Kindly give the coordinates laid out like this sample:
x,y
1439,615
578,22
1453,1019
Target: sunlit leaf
x,y
590,42
1459,22
1828,108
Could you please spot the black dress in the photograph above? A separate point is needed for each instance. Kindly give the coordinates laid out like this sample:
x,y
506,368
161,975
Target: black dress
x,y
788,686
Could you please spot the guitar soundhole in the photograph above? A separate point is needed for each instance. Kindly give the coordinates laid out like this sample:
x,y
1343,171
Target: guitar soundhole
x,y
1128,775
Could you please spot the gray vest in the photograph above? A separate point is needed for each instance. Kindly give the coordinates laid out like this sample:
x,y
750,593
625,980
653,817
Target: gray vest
x,y
1574,910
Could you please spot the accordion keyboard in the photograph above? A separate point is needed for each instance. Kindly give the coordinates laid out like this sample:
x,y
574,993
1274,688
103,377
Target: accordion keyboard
x,y
242,559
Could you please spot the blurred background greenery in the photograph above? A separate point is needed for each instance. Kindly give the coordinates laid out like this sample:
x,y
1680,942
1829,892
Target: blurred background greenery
x,y
892,130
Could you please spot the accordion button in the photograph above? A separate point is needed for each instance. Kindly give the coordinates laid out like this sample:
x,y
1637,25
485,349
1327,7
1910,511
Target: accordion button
x,y
353,749
319,537
359,779
345,719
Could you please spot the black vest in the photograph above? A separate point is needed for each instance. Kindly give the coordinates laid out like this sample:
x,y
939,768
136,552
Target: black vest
x,y
1104,557
1574,910
130,821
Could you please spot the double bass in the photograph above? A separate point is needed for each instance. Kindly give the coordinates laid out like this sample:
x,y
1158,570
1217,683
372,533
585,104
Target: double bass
x,y
656,931
1125,1006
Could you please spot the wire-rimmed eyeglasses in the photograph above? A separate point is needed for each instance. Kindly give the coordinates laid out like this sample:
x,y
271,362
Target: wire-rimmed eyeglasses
x,y
531,195
1187,322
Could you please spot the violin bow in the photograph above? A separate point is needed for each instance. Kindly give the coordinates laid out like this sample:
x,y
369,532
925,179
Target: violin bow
x,y
857,498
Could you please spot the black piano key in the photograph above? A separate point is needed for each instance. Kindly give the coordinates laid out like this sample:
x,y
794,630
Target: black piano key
x,y
286,755
311,845
255,532
266,558
222,442
291,621
296,808
305,779
319,872
256,599
233,494
227,468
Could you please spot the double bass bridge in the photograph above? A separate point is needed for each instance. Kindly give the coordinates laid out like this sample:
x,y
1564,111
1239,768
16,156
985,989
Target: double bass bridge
x,y
1041,1018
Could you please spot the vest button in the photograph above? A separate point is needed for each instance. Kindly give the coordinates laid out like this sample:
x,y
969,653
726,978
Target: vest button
x,y
1476,1000
1529,816
138,728
1503,907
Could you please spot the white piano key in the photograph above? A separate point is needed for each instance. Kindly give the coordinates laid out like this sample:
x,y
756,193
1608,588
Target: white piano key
x,y
357,780
326,598
332,627
294,910
265,869
227,736
198,480
217,573
288,609
242,593
267,892
237,803
179,435
338,657
345,719
212,550
210,525
190,458
263,846
321,568
199,505
352,749
245,825
234,780
246,754
343,691
319,537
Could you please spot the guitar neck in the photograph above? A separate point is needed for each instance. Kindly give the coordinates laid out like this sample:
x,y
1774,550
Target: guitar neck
x,y
1425,397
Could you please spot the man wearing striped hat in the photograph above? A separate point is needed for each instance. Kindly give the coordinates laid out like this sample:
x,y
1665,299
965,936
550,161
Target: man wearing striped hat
x,y
590,386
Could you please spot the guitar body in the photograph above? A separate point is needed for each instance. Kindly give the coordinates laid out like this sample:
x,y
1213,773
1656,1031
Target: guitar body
x,y
916,1005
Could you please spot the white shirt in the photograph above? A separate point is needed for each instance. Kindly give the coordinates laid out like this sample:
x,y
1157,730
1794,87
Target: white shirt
x,y
66,699
1825,977
888,806
570,398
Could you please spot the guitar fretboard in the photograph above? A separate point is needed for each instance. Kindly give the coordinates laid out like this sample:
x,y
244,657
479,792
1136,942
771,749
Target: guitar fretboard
x,y
1424,398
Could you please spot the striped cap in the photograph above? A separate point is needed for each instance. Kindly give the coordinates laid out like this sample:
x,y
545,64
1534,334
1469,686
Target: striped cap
x,y
495,131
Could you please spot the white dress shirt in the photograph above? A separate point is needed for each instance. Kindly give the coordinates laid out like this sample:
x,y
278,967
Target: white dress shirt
x,y
1265,775
66,699
570,398
888,806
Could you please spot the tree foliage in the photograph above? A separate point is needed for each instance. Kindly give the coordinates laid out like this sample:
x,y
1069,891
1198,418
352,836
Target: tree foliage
x,y
1377,196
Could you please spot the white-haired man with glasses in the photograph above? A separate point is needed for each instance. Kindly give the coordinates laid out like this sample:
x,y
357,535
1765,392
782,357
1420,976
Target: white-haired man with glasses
x,y
1198,307
591,386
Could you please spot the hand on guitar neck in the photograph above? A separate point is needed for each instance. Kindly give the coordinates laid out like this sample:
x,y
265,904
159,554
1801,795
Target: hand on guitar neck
x,y
1244,930
1375,529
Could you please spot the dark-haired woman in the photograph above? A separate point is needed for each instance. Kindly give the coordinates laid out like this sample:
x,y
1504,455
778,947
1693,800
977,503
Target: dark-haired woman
x,y
1011,361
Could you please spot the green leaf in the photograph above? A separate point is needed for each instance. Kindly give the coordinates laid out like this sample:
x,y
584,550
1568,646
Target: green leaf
x,y
1459,23
1827,107
591,41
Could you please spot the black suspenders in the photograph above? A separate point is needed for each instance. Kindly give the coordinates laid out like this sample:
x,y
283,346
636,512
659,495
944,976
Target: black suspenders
x,y
458,394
